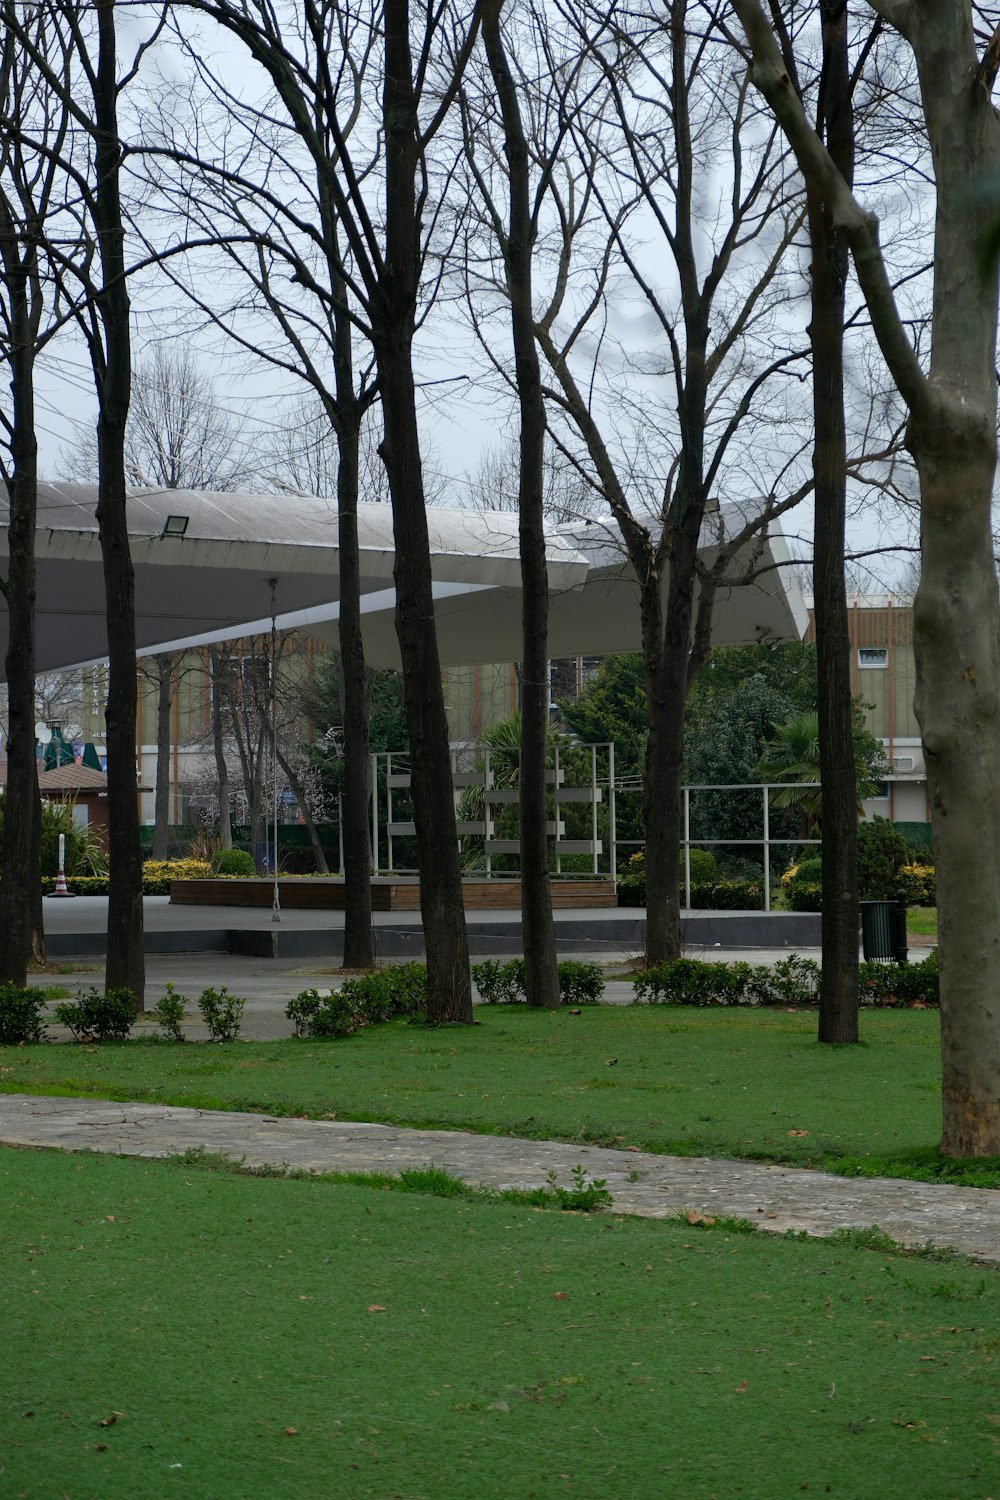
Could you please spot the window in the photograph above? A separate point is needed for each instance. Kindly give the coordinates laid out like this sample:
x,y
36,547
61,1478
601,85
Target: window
x,y
873,656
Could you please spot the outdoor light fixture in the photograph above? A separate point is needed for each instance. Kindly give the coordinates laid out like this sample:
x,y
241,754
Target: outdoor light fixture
x,y
175,526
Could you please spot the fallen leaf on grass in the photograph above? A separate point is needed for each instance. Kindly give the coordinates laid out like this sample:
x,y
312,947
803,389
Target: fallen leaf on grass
x,y
694,1218
110,1421
799,1132
743,1387
376,1307
561,1296
291,1432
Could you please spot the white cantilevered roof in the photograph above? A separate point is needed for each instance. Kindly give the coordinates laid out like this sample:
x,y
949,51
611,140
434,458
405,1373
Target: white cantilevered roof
x,y
215,578
213,582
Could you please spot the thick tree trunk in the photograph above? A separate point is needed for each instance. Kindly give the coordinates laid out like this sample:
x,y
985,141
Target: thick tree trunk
x,y
125,965
161,803
21,873
537,928
839,995
394,310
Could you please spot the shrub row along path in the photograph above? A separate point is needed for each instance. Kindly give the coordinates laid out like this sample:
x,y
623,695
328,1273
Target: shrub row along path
x,y
778,1199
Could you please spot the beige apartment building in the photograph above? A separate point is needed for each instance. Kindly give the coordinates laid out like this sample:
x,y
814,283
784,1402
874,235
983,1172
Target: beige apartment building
x,y
883,676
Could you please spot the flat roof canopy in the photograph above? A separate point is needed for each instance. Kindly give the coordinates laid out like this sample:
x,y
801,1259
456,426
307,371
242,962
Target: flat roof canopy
x,y
213,582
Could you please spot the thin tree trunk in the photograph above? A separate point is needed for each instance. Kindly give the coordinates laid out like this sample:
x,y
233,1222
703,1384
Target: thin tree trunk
x,y
839,994
217,667
21,872
538,931
161,803
306,811
125,964
359,936
449,980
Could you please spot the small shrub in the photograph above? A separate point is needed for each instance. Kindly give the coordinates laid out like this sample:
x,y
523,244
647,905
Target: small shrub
x,y
20,1018
580,984
99,1018
222,1013
804,895
790,981
919,882
729,895
233,862
632,885
500,984
397,991
586,1194
317,1015
169,1013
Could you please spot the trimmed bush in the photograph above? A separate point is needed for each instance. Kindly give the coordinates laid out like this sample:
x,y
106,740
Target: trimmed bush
x,y
158,873
804,895
367,1001
20,1018
902,984
233,862
99,1018
504,984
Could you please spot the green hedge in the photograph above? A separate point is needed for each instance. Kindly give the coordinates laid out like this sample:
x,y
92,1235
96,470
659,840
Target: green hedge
x,y
789,981
716,895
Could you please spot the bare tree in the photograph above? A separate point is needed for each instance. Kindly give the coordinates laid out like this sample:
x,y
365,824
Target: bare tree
x,y
952,436
360,261
648,105
30,196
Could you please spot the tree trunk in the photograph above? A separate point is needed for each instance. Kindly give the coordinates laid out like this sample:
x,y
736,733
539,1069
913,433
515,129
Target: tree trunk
x,y
216,667
839,995
21,872
307,817
394,308
125,965
164,703
537,928
359,936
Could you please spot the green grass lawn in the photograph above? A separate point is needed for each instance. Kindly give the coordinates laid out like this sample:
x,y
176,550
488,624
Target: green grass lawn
x,y
750,1083
921,921
172,1329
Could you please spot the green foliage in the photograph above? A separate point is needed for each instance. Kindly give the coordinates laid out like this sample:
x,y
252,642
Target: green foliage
x,y
158,873
233,862
316,1015
882,852
792,755
791,981
919,882
99,1018
380,996
169,1013
901,984
612,707
585,1196
20,1018
222,1013
84,855
504,984
690,981
580,983
804,895
500,984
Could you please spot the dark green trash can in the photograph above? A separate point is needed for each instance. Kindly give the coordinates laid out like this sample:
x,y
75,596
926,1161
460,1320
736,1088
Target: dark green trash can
x,y
883,930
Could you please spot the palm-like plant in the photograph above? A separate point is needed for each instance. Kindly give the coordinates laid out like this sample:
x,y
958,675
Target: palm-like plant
x,y
792,756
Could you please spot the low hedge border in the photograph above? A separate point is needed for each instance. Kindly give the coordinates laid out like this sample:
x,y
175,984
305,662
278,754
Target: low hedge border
x,y
790,981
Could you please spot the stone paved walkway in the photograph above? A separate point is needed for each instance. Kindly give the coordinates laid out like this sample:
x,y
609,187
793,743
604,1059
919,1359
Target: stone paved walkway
x,y
775,1198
